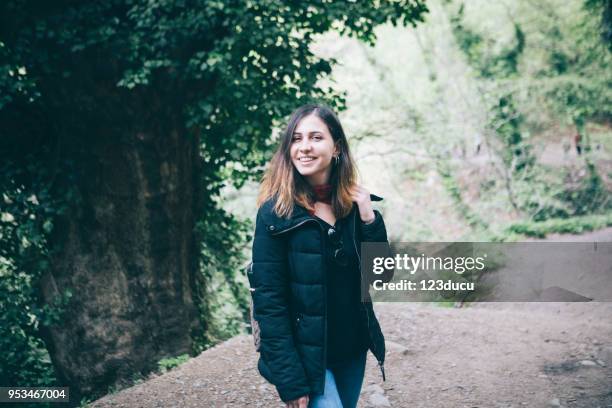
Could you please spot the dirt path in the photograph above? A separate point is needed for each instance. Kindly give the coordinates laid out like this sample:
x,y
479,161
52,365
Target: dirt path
x,y
485,355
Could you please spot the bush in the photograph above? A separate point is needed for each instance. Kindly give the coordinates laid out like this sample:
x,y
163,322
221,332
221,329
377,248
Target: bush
x,y
167,364
575,225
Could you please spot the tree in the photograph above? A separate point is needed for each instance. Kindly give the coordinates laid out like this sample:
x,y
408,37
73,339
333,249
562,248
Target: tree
x,y
121,121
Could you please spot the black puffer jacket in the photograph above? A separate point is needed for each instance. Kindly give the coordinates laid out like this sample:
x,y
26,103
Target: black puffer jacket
x,y
287,278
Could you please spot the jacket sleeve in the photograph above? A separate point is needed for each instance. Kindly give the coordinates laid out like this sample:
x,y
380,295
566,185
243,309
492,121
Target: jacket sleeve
x,y
377,232
271,310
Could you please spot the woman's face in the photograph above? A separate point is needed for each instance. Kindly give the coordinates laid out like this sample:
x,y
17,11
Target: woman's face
x,y
312,150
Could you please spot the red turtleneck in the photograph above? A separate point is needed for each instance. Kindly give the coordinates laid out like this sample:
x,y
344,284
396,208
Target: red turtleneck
x,y
322,194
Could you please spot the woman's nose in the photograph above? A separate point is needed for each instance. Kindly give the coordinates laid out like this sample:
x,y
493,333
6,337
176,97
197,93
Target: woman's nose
x,y
304,146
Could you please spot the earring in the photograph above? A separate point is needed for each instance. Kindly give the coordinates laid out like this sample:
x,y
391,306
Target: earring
x,y
337,158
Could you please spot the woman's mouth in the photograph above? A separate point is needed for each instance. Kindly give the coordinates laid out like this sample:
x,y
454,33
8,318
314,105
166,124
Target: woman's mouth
x,y
306,159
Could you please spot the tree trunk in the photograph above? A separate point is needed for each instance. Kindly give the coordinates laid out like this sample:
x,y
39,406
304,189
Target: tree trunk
x,y
129,256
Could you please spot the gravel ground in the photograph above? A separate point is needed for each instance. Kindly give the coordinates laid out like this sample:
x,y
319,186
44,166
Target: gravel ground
x,y
483,355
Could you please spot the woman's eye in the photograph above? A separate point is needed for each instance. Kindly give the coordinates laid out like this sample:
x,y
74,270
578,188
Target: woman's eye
x,y
295,138
317,137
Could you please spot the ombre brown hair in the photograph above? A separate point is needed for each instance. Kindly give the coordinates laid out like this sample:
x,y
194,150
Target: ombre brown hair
x,y
288,187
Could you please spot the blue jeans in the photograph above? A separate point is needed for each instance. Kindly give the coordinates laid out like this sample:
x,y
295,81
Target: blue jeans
x,y
342,385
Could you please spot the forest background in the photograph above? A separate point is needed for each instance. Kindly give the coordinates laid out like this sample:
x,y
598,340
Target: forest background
x,y
134,134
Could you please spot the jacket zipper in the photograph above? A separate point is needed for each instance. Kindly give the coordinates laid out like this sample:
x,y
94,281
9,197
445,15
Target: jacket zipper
x,y
381,364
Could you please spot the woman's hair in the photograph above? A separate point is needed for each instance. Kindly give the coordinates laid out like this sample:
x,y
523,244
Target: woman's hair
x,y
283,182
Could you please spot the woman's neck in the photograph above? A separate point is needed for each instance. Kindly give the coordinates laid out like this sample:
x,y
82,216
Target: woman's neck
x,y
322,193
319,178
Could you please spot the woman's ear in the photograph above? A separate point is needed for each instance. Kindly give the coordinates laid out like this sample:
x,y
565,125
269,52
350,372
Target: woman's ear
x,y
337,149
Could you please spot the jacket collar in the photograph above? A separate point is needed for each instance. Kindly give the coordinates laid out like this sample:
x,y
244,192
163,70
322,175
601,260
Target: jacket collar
x,y
276,225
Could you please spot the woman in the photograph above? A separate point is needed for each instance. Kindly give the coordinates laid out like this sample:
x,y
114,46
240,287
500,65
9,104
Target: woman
x,y
305,276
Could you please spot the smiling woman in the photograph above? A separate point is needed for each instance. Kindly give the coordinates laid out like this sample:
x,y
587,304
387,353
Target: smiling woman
x,y
305,278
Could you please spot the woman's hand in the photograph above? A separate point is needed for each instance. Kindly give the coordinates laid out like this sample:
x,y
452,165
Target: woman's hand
x,y
301,402
362,197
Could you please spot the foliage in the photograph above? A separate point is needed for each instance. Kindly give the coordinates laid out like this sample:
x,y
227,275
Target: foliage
x,y
453,189
167,364
85,402
221,284
479,49
507,123
587,194
26,221
577,194
77,75
563,78
603,10
574,225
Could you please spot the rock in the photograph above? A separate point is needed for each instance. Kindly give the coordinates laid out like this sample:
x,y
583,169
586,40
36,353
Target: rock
x,y
557,294
554,402
379,400
396,347
374,388
588,363
605,354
